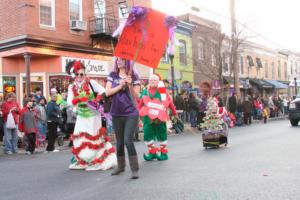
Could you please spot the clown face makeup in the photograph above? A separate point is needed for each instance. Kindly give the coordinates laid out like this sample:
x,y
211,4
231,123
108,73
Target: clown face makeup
x,y
80,75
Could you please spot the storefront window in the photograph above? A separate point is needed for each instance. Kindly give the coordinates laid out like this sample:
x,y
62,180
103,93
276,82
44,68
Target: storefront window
x,y
60,82
9,84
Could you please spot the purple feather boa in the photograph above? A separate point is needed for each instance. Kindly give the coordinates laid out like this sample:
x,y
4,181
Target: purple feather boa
x,y
170,22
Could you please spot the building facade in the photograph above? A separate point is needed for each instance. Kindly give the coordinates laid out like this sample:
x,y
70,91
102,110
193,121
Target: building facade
x,y
207,42
41,36
183,63
263,71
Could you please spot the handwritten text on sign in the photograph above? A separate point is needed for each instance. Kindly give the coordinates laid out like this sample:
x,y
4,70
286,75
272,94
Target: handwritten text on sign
x,y
145,39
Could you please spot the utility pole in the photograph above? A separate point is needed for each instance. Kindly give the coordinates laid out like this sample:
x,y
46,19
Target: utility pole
x,y
234,47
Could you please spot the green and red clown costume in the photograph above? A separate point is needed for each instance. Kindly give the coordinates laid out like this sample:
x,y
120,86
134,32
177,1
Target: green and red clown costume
x,y
154,106
91,149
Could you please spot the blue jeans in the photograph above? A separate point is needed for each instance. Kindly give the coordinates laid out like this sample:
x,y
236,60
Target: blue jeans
x,y
42,128
10,139
193,118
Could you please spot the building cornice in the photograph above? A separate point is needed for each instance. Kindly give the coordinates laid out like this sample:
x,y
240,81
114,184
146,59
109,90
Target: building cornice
x,y
31,41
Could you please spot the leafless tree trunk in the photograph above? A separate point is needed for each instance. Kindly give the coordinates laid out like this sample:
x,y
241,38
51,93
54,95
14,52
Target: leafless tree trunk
x,y
234,48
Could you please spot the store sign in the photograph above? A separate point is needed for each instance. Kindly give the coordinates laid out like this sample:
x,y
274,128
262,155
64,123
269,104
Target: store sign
x,y
216,85
93,67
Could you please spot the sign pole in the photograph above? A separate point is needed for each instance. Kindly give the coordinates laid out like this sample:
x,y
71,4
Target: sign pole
x,y
171,56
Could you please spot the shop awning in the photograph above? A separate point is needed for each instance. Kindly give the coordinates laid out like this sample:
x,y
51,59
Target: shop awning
x,y
277,84
261,83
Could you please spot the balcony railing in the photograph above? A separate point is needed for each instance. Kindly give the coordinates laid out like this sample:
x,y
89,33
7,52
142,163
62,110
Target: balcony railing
x,y
103,25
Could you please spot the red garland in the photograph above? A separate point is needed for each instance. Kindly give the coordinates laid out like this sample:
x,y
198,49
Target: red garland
x,y
86,88
87,136
102,132
87,144
96,160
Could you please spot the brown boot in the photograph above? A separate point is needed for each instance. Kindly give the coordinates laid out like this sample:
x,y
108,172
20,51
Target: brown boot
x,y
121,166
134,165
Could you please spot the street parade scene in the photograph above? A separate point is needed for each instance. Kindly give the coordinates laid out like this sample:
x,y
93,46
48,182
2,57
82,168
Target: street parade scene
x,y
149,99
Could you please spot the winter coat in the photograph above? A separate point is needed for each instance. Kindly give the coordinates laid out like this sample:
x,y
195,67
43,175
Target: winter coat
x,y
28,121
6,107
232,104
247,107
193,104
53,112
179,103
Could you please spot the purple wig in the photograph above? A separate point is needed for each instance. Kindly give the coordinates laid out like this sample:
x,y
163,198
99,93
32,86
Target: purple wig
x,y
129,67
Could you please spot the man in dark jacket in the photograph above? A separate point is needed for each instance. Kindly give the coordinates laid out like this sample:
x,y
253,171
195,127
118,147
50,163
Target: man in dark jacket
x,y
232,103
180,104
247,109
53,120
194,109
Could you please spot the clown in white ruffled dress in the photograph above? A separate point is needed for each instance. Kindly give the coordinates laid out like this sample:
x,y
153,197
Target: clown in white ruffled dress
x,y
91,147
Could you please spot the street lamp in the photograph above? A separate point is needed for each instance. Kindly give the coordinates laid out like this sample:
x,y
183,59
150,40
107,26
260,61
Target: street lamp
x,y
171,56
295,79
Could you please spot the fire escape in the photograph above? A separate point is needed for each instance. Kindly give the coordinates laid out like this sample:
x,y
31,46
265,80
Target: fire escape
x,y
106,19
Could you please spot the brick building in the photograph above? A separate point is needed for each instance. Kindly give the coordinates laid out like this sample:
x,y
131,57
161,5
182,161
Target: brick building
x,y
207,42
263,71
43,35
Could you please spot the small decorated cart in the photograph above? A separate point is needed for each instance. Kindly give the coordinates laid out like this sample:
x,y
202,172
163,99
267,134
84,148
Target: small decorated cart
x,y
215,130
215,138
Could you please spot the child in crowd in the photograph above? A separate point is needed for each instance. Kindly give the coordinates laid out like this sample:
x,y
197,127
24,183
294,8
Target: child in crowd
x,y
265,114
28,125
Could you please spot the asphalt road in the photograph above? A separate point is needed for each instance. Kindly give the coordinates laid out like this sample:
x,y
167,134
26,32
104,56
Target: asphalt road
x,y
261,162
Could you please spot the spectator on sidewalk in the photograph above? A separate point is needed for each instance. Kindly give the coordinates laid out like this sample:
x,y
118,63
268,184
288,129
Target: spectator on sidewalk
x,y
41,119
232,103
265,113
38,95
239,113
10,133
285,106
180,105
247,110
53,120
271,107
276,106
1,121
194,109
257,104
29,125
186,111
71,120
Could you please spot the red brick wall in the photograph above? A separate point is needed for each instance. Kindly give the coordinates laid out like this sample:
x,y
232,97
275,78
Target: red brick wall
x,y
11,15
62,23
18,18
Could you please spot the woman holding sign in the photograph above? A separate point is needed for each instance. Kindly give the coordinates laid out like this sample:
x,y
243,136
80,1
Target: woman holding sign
x,y
122,85
154,106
